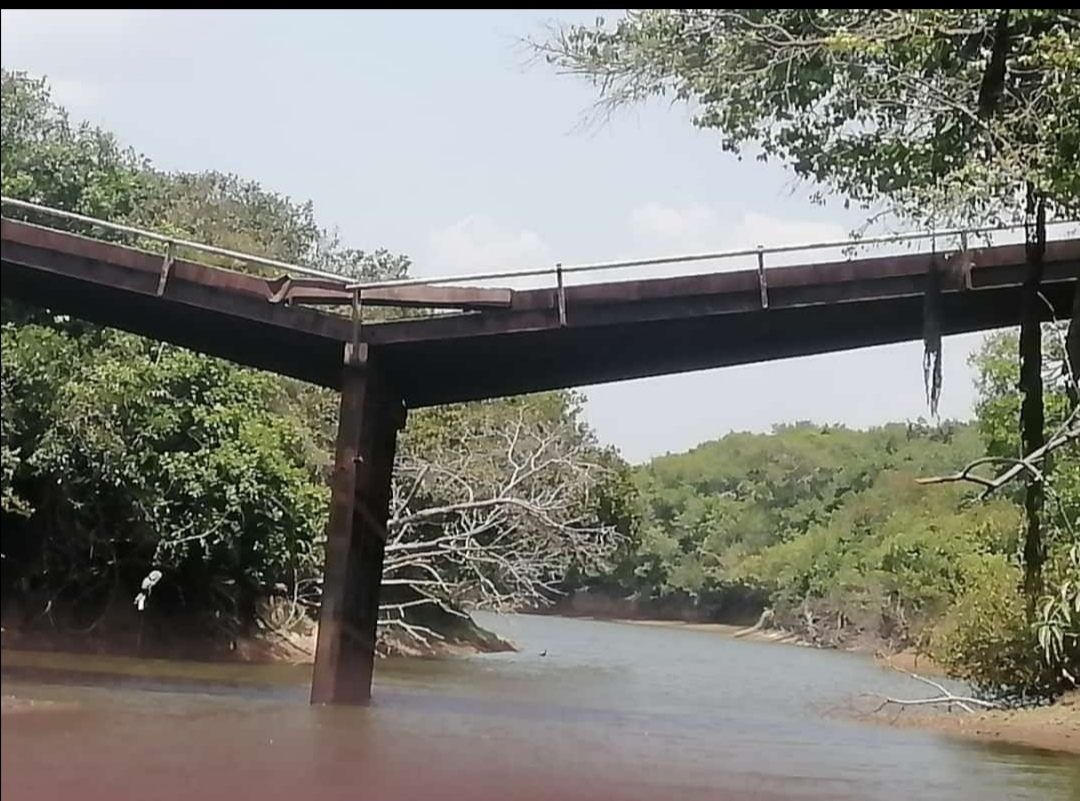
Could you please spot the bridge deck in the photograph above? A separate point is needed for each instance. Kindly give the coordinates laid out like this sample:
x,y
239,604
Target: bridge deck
x,y
613,331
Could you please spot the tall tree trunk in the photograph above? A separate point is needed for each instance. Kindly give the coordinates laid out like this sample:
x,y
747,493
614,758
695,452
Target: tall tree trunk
x,y
1032,415
1072,349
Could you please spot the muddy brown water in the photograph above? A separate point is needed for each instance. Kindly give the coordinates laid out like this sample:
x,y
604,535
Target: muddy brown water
x,y
612,711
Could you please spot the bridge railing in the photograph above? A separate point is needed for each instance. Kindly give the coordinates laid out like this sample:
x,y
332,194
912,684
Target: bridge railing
x,y
556,272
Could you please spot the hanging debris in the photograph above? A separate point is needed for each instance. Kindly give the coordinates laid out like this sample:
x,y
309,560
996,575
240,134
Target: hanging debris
x,y
932,335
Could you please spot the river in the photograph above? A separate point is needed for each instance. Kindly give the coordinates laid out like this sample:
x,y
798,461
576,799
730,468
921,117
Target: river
x,y
611,712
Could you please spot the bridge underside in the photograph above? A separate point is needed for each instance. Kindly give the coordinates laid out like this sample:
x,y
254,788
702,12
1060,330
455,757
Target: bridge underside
x,y
609,332
612,332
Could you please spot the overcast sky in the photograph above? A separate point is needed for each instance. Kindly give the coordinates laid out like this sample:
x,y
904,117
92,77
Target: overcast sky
x,y
421,132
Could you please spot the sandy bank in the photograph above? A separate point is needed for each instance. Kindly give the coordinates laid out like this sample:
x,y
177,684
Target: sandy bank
x,y
10,705
1052,728
725,629
121,636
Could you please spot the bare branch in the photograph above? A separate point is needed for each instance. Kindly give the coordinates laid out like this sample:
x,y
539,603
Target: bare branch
x,y
492,520
945,698
1068,433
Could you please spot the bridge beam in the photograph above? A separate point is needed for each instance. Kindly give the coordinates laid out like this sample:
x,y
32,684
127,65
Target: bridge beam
x,y
371,415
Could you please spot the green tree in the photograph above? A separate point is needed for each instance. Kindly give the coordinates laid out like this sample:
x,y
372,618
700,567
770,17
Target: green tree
x,y
706,515
944,114
144,456
1055,631
941,115
47,160
121,455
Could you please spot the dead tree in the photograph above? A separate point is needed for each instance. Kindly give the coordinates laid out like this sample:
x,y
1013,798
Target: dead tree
x,y
493,523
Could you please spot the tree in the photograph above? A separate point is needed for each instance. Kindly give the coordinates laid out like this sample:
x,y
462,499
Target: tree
x,y
944,114
1058,627
143,456
941,115
1056,624
752,519
45,159
493,505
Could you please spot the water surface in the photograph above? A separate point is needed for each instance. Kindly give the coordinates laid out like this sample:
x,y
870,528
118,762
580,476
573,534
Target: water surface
x,y
612,711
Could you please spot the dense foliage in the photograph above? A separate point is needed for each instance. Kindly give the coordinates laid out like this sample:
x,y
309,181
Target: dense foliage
x,y
123,455
933,111
830,528
924,115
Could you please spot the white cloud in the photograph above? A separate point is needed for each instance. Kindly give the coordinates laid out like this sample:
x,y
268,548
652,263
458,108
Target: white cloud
x,y
667,223
659,230
701,227
479,243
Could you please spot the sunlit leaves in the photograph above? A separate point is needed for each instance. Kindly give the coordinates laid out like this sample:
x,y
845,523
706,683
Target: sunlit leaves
x,y
1058,625
878,105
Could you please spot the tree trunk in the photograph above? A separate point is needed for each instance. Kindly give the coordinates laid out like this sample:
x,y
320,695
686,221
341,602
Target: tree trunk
x,y
1032,415
1072,348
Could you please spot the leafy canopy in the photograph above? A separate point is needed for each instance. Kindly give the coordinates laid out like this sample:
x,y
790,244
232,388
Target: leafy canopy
x,y
941,113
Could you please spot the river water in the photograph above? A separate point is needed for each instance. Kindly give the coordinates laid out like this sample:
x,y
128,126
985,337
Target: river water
x,y
610,712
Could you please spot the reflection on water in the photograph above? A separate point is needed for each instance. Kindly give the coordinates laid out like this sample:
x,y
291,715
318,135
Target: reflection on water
x,y
611,712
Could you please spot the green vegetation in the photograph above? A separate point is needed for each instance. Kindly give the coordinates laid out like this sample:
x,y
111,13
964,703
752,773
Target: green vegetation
x,y
830,528
123,455
927,116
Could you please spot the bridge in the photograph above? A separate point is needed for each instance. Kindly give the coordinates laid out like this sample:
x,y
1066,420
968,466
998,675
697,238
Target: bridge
x,y
490,343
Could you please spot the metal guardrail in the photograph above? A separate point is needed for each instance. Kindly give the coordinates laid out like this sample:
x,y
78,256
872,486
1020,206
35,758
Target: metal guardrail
x,y
557,271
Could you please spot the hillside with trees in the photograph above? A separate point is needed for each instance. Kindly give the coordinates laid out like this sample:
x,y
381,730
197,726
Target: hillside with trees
x,y
928,117
831,530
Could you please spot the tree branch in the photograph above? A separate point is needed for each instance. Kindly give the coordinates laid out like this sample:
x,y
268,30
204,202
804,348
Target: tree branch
x,y
945,698
493,519
1068,433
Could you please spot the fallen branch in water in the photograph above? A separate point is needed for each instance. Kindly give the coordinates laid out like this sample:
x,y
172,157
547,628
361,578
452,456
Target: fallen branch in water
x,y
946,698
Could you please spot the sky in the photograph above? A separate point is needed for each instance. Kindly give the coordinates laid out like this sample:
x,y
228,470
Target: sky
x,y
428,133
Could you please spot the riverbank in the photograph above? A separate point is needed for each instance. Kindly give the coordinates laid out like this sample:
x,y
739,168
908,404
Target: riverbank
x,y
909,660
751,633
122,634
11,705
1052,728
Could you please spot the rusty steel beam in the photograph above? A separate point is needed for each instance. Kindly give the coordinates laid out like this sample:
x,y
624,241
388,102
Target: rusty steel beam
x,y
275,290
660,299
371,414
470,369
600,332
321,292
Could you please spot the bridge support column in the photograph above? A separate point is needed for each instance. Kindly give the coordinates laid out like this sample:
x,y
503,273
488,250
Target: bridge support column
x,y
370,417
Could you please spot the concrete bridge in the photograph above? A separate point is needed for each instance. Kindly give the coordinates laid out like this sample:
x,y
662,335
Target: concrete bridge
x,y
500,342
